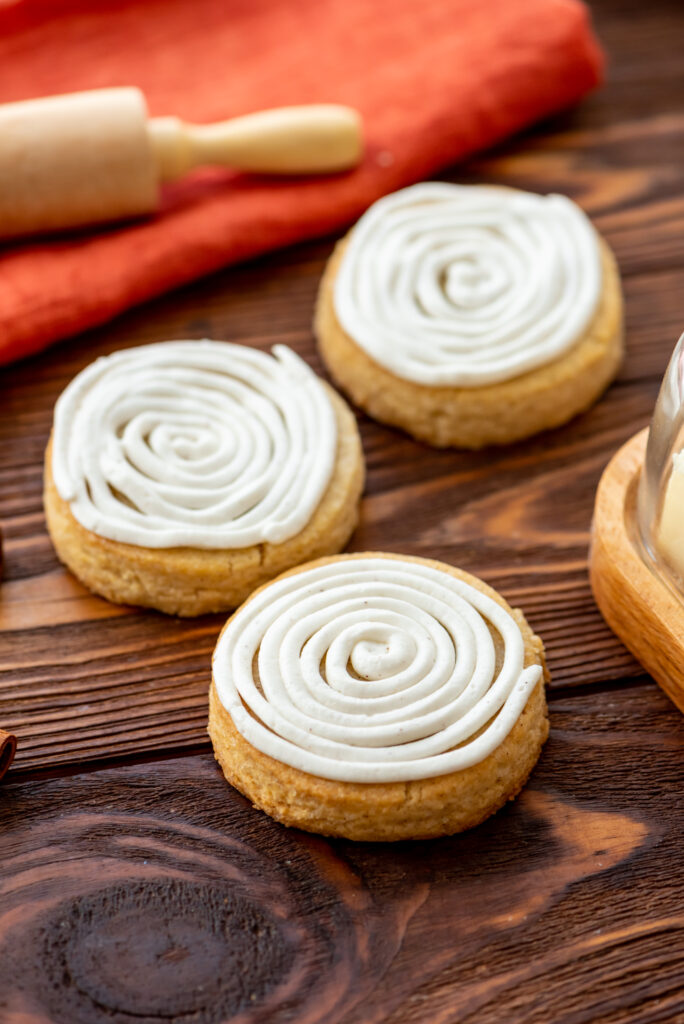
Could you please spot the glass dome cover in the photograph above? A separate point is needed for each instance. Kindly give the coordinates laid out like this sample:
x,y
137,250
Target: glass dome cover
x,y
660,508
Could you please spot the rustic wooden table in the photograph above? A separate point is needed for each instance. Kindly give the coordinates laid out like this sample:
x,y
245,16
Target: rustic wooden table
x,y
135,885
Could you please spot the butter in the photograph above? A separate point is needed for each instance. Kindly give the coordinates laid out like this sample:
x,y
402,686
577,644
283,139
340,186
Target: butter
x,y
670,536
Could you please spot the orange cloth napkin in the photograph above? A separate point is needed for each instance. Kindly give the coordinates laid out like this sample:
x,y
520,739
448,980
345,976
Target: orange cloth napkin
x,y
434,79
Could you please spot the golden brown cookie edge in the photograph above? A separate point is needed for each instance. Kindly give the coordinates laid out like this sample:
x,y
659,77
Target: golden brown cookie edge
x,y
494,414
191,581
421,809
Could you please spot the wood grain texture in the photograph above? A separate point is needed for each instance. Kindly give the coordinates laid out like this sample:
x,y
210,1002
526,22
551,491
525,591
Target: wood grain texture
x,y
149,891
8,748
519,517
157,893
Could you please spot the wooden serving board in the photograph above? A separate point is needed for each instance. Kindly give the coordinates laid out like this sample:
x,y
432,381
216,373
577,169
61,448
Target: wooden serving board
x,y
136,886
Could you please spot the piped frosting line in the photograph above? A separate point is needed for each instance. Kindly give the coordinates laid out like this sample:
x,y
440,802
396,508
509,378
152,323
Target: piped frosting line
x,y
201,444
458,285
373,670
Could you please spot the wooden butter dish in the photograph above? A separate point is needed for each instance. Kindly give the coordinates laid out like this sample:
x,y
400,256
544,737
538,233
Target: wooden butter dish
x,y
638,540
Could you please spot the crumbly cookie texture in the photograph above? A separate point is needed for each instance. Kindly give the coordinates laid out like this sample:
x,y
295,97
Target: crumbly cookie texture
x,y
493,414
188,581
420,809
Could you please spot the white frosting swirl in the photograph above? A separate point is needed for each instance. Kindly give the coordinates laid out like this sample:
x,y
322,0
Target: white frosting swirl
x,y
466,285
194,443
373,670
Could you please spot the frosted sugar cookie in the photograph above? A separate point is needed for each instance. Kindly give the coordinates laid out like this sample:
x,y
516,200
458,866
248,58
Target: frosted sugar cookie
x,y
378,697
184,474
471,315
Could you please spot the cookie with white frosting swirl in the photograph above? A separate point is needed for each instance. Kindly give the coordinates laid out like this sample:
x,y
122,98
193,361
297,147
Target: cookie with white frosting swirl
x,y
378,697
181,475
471,315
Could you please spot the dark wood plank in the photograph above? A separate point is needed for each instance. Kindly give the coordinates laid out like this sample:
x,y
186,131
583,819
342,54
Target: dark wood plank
x,y
156,892
152,892
82,680
644,75
124,680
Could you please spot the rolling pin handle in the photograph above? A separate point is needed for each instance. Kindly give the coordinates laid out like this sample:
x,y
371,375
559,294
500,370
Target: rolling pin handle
x,y
291,140
169,147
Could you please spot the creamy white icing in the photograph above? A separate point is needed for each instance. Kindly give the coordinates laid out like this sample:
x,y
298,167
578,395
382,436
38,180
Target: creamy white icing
x,y
373,670
467,285
194,443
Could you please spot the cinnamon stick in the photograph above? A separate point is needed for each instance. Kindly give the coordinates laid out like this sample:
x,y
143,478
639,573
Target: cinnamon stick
x,y
8,746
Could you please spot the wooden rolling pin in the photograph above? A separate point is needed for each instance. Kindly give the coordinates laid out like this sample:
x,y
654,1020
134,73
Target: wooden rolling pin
x,y
89,157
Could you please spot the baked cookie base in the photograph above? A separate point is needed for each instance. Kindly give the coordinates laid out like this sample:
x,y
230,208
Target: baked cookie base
x,y
191,581
420,809
475,417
